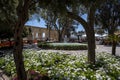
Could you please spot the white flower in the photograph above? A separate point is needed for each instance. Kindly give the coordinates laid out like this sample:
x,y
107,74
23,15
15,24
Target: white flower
x,y
83,78
98,76
49,72
108,78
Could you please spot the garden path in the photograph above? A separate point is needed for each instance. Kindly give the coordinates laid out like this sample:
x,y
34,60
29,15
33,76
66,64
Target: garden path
x,y
100,48
107,49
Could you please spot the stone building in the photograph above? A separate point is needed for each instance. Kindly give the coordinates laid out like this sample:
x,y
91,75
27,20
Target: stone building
x,y
42,34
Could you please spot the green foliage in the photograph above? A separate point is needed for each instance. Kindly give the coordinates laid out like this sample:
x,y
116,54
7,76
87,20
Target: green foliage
x,y
8,11
62,46
2,62
25,32
107,16
9,17
114,37
7,31
62,66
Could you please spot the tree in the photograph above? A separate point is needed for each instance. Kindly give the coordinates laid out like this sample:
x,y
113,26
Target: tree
x,y
70,25
88,25
63,25
49,18
22,14
74,10
79,35
115,38
18,15
108,16
18,11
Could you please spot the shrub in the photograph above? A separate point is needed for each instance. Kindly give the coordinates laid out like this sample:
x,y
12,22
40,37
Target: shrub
x,y
62,46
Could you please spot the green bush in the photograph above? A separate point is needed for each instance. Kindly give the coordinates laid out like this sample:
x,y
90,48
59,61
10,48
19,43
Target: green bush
x,y
62,46
43,45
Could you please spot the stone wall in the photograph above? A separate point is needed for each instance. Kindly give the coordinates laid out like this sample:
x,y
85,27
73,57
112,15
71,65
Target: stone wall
x,y
42,34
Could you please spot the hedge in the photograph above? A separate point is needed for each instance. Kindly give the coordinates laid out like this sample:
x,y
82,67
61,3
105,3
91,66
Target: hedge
x,y
62,46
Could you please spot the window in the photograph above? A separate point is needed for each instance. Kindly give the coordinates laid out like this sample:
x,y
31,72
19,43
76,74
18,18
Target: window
x,y
43,35
36,35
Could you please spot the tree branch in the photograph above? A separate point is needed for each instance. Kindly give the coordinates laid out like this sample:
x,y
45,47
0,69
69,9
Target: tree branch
x,y
77,18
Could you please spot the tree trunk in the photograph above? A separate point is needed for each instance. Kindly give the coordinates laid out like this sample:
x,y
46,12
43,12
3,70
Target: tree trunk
x,y
22,13
114,43
78,38
91,46
18,57
59,36
49,34
91,35
9,42
89,28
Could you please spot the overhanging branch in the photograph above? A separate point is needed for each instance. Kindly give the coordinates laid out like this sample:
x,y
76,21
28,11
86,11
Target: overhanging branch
x,y
77,18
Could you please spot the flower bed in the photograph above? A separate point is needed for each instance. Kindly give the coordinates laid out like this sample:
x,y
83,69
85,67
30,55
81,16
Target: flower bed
x,y
63,46
66,67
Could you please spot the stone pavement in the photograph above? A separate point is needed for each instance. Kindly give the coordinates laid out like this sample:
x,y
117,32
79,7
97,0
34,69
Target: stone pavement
x,y
107,49
100,48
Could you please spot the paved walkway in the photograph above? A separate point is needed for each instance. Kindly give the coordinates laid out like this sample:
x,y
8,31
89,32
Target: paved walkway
x,y
108,49
100,48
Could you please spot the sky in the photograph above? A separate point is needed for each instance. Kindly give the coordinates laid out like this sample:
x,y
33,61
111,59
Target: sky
x,y
41,23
